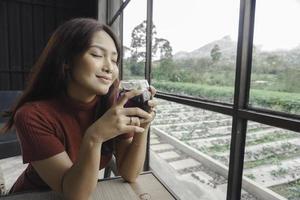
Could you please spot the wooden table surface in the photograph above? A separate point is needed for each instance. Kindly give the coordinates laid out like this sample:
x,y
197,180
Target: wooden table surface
x,y
147,187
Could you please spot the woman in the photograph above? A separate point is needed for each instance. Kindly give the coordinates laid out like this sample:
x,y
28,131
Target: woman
x,y
63,138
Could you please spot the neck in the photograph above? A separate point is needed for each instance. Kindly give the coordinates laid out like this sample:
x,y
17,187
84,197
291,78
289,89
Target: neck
x,y
79,96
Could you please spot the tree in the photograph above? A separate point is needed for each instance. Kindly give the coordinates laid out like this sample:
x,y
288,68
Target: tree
x,y
165,49
138,48
215,53
137,68
138,41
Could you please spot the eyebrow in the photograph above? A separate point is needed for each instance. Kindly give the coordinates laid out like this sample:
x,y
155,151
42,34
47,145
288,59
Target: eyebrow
x,y
103,48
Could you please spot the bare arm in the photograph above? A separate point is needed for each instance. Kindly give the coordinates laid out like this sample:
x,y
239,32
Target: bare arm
x,y
130,156
75,181
131,153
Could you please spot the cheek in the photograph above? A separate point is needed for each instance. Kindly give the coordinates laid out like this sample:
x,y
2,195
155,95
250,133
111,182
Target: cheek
x,y
81,74
116,73
85,69
76,74
77,77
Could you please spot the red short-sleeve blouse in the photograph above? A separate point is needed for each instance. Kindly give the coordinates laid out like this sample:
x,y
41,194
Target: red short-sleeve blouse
x,y
46,128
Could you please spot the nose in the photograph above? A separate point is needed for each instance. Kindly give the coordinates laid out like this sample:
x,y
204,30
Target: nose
x,y
107,65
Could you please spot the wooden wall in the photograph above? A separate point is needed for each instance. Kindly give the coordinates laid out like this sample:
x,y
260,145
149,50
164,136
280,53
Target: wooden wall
x,y
25,26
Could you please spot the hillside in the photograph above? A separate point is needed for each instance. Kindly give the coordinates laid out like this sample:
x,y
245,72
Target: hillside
x,y
228,48
226,44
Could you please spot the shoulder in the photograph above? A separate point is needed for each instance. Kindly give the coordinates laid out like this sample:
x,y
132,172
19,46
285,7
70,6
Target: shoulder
x,y
37,131
36,110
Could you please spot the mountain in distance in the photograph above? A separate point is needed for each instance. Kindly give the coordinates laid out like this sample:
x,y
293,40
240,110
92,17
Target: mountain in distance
x,y
228,48
226,44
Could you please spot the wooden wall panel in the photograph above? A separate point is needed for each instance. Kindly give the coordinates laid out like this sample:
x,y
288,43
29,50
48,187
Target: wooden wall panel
x,y
25,27
4,55
50,22
14,42
38,30
27,39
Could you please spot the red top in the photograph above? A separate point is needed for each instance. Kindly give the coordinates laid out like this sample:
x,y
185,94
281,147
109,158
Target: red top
x,y
46,128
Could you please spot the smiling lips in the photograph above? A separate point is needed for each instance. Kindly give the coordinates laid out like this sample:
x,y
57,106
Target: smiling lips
x,y
106,79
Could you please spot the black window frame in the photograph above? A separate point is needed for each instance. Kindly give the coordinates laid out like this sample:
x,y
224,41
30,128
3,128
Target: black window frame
x,y
240,110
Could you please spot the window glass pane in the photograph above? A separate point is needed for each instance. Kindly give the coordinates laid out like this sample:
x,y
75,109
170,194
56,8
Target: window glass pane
x,y
272,161
194,47
190,150
276,56
134,40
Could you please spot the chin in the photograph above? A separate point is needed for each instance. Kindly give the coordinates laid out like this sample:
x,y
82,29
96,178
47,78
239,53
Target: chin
x,y
102,91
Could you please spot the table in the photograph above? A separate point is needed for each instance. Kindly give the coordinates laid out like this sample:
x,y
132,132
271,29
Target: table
x,y
147,187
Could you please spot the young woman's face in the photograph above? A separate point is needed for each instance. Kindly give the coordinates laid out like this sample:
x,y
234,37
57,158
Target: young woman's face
x,y
95,70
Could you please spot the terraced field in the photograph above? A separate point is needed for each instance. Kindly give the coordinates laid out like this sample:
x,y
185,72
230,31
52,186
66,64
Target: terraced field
x,y
272,155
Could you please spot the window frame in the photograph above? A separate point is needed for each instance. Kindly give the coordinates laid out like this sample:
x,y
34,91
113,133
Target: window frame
x,y
240,110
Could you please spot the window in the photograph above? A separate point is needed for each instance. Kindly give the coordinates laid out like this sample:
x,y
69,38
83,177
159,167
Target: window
x,y
276,56
175,131
134,40
272,159
194,54
194,48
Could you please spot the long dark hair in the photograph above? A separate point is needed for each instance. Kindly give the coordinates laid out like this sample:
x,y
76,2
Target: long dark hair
x,y
48,77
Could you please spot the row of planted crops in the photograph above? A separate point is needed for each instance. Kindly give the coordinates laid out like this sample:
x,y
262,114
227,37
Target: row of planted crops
x,y
272,155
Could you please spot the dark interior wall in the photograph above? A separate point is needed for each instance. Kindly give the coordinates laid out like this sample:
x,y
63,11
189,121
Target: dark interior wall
x,y
25,26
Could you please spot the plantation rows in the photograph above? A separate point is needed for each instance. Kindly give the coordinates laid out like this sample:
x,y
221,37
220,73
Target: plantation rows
x,y
272,155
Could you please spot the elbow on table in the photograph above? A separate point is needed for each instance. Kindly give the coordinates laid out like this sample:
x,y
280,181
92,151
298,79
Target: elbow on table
x,y
129,178
129,175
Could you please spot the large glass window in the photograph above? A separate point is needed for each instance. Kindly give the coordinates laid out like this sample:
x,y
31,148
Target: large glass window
x,y
272,159
134,40
194,47
175,131
276,56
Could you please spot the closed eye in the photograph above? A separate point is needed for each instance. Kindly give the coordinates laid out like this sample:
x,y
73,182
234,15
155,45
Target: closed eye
x,y
96,55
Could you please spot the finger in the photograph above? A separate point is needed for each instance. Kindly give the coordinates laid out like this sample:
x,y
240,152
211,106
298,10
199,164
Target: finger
x,y
129,121
152,90
153,114
127,96
152,103
133,129
135,111
135,121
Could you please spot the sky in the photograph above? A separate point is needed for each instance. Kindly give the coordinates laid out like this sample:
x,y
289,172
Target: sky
x,y
194,23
